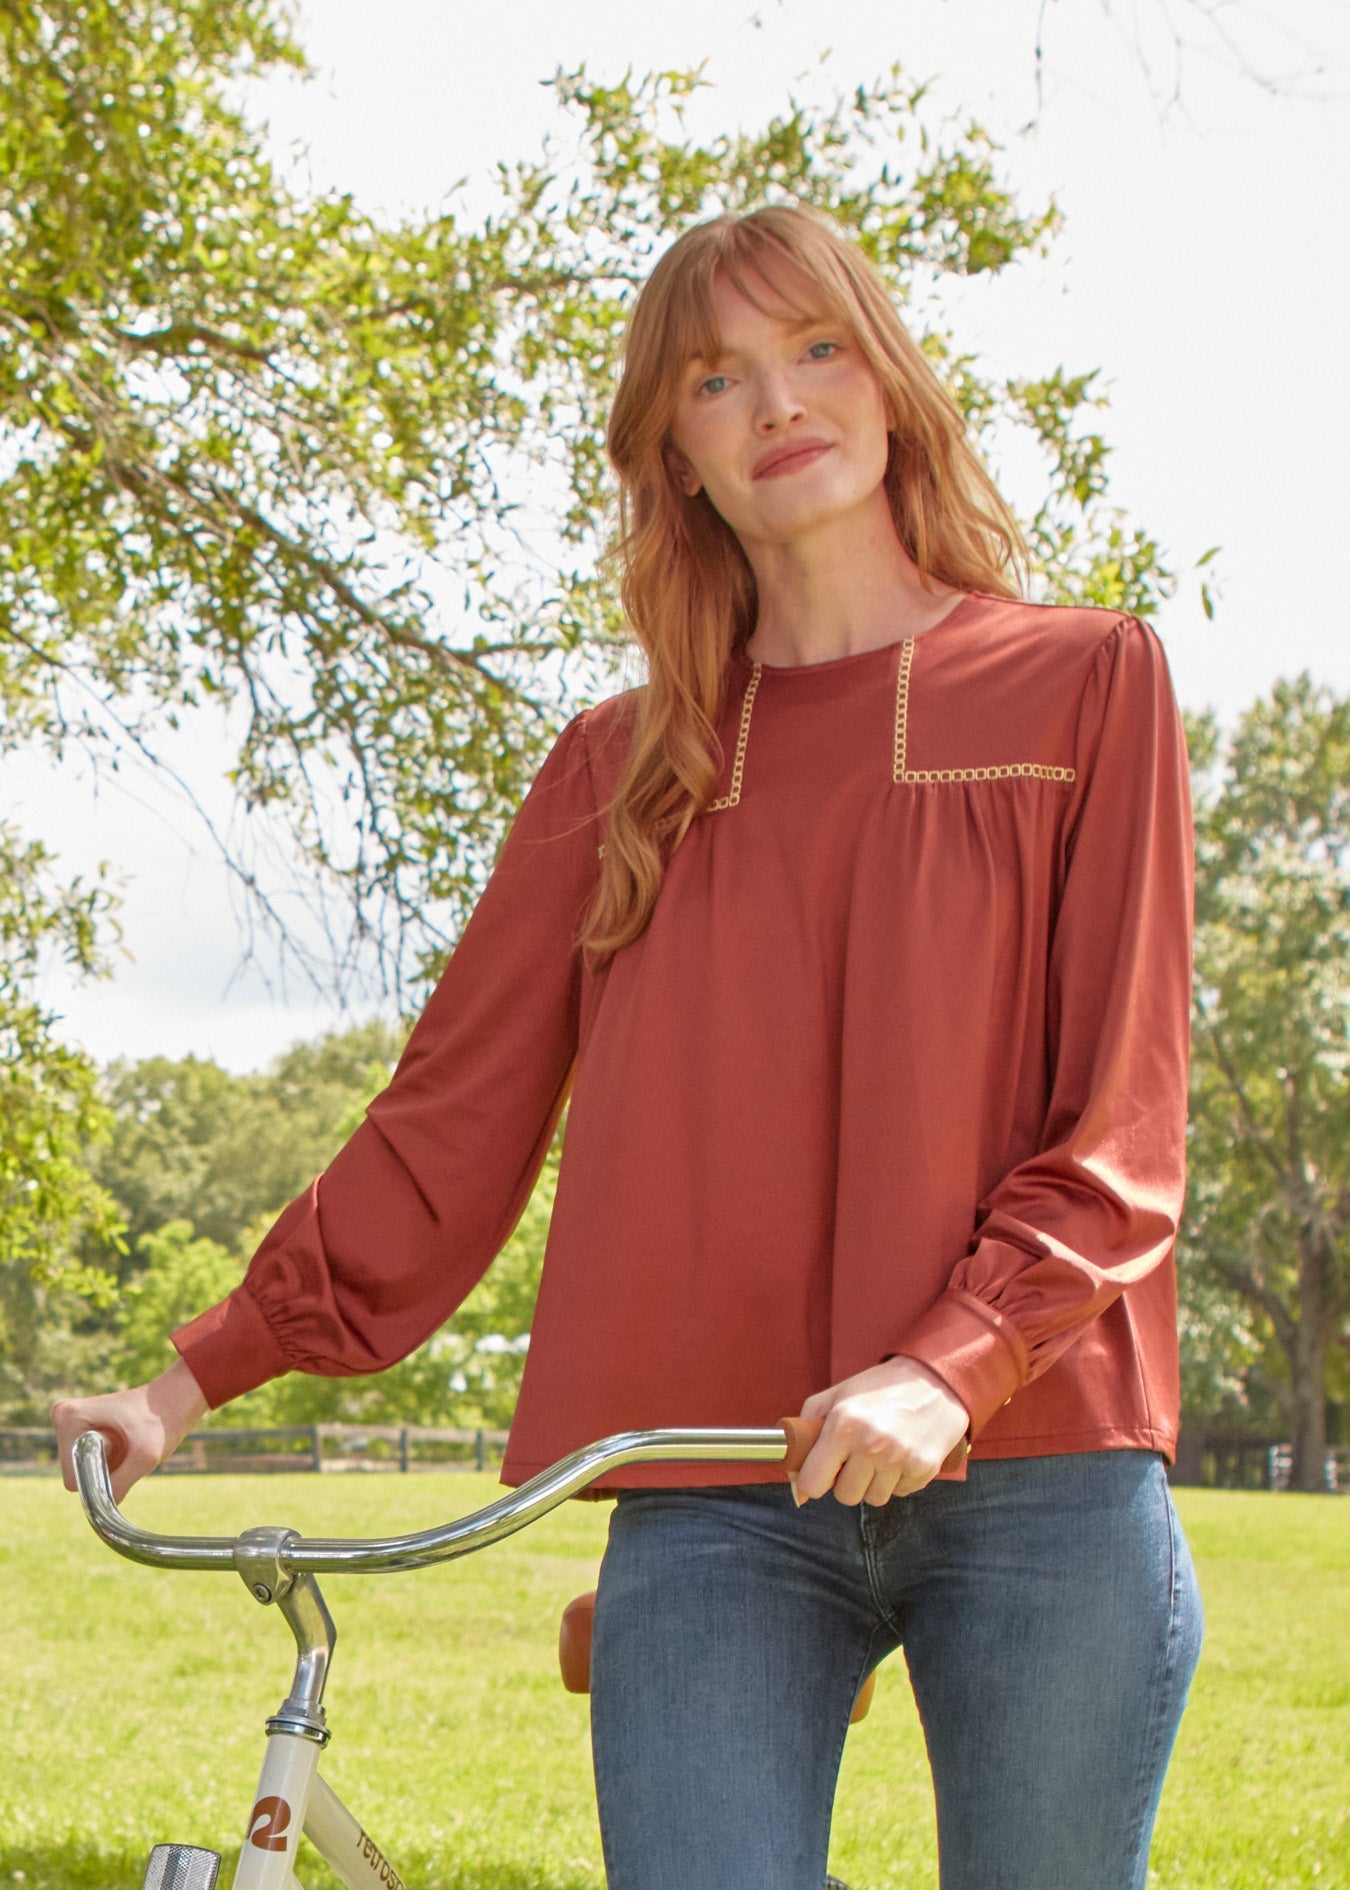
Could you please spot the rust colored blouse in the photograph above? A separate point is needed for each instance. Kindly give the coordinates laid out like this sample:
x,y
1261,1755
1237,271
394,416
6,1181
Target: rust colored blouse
x,y
898,1067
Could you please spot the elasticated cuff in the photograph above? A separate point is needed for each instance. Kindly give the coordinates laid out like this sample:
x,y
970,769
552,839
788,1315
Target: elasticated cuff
x,y
974,1350
230,1349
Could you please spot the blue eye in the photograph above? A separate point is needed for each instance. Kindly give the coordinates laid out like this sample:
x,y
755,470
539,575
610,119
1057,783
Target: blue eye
x,y
708,383
821,344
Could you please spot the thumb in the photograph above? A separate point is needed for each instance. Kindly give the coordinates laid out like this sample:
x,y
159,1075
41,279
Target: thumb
x,y
71,1417
821,1403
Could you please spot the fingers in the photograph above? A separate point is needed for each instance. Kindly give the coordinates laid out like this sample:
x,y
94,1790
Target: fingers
x,y
861,1465
134,1466
886,1431
141,1426
819,1405
71,1417
876,1441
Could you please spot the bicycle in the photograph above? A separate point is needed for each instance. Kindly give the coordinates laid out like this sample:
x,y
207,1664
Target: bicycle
x,y
278,1567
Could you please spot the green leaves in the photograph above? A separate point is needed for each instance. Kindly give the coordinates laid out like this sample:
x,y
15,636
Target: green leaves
x,y
49,1106
349,479
200,1162
189,1141
1269,1209
346,482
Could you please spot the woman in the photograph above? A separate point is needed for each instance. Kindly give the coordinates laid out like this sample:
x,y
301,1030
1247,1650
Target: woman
x,y
877,1114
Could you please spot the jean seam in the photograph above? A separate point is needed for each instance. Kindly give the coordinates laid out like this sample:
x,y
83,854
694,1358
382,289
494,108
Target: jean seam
x,y
874,1585
862,1672
597,1763
1162,1696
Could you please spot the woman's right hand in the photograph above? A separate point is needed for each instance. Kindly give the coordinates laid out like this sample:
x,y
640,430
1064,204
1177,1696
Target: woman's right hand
x,y
142,1426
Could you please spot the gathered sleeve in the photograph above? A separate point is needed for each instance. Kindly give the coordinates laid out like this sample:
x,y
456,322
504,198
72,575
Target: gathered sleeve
x,y
1097,1207
389,1240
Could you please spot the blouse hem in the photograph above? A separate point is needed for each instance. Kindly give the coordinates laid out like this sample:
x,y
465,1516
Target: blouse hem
x,y
710,1476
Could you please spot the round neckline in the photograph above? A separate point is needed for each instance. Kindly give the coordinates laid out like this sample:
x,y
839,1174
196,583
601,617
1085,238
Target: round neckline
x,y
831,663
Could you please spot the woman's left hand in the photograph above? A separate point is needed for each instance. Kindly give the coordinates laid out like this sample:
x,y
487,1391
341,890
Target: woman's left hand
x,y
886,1432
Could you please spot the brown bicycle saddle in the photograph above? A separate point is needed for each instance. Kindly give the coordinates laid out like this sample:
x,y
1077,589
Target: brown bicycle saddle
x,y
574,1654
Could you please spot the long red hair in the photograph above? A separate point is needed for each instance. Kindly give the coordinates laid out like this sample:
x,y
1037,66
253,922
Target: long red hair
x,y
687,588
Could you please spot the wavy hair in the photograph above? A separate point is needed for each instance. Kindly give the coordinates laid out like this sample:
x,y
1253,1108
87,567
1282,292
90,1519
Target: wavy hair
x,y
686,586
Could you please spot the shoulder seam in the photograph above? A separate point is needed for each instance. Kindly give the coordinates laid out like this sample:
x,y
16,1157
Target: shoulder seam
x,y
583,731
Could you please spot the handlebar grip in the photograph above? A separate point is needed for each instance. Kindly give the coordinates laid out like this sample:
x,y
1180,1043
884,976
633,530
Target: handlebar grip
x,y
801,1434
116,1444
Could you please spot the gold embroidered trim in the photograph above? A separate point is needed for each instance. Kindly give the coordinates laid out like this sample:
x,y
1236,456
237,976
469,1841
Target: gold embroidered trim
x,y
1008,771
919,777
738,765
902,708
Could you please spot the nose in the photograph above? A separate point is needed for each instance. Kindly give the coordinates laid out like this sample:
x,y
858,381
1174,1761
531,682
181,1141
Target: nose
x,y
777,402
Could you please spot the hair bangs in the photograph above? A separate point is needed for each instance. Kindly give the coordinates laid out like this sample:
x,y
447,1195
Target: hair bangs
x,y
752,259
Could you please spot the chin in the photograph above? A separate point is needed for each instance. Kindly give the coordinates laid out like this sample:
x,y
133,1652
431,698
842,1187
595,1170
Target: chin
x,y
808,512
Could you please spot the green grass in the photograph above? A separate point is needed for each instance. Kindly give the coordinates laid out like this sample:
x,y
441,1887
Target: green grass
x,y
135,1699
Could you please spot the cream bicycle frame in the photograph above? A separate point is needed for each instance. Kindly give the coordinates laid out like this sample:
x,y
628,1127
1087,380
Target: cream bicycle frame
x,y
278,1567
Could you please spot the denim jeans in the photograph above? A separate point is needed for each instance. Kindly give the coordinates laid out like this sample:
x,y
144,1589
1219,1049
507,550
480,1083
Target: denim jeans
x,y
1050,1620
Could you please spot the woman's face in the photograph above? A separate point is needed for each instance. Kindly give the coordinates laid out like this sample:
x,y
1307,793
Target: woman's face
x,y
786,430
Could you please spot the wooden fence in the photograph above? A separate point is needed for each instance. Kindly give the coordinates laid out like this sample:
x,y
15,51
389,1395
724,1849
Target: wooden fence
x,y
1205,1458
312,1447
1232,1461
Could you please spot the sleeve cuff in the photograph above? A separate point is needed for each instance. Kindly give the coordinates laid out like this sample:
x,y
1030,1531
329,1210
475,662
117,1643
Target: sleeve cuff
x,y
230,1349
974,1350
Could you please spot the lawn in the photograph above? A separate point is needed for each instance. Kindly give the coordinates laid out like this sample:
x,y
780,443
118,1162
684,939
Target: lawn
x,y
135,1698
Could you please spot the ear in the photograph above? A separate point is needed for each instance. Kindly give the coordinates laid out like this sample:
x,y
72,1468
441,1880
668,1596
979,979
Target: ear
x,y
682,472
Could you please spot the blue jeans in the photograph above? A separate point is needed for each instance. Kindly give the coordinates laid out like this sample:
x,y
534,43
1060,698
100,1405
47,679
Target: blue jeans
x,y
1051,1624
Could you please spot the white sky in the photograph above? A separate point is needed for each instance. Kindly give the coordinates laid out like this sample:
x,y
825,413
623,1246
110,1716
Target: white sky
x,y
1202,266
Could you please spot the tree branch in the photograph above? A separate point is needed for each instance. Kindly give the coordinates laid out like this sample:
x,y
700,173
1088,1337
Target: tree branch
x,y
1241,1275
177,336
1255,1135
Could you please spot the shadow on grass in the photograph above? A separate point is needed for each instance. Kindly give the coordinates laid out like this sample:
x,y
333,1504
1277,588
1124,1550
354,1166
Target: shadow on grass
x,y
87,1866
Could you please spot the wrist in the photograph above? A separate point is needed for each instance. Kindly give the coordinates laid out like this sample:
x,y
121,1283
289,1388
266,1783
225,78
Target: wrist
x,y
176,1398
909,1367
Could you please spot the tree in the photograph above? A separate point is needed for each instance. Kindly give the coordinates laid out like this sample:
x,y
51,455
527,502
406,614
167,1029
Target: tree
x,y
1164,37
1269,1201
50,1114
98,1167
468,1373
198,1164
188,1141
180,1274
49,1108
346,481
342,484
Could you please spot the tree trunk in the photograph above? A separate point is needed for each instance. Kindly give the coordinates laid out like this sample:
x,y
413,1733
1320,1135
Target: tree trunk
x,y
1310,1431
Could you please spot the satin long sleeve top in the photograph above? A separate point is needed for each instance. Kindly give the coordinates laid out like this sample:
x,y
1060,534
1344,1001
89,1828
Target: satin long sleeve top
x,y
898,1067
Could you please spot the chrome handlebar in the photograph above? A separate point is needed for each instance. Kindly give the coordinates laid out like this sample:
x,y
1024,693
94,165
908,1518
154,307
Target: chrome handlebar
x,y
296,1555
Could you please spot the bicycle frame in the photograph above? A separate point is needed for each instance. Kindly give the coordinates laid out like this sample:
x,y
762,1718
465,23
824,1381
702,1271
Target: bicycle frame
x,y
278,1567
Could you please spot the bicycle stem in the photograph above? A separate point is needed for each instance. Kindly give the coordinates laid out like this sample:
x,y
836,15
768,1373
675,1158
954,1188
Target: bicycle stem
x,y
258,1556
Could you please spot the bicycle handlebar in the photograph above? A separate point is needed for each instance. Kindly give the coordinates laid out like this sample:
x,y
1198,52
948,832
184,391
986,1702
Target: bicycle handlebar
x,y
382,1555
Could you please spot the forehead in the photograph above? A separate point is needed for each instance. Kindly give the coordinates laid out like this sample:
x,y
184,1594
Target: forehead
x,y
738,314
739,295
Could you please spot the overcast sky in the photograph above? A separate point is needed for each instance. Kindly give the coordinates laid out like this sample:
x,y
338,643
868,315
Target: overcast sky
x,y
1201,267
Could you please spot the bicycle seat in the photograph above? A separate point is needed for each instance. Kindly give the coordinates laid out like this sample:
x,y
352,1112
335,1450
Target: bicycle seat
x,y
574,1654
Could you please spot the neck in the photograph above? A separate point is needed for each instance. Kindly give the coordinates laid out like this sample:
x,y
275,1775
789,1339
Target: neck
x,y
846,587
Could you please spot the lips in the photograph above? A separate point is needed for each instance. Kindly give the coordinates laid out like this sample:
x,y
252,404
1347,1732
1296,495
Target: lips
x,y
788,459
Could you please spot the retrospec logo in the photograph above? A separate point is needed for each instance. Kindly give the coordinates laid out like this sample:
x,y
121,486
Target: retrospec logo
x,y
381,1870
269,1823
